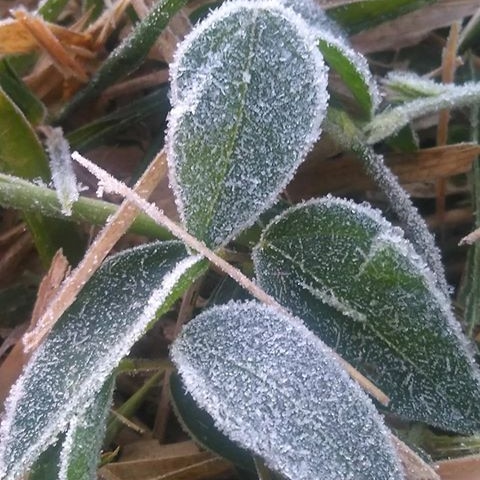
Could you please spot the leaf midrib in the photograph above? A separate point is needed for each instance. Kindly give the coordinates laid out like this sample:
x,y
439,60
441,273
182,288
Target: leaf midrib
x,y
368,325
236,128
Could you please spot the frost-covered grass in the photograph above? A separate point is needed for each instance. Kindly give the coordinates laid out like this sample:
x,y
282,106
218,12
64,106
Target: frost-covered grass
x,y
322,306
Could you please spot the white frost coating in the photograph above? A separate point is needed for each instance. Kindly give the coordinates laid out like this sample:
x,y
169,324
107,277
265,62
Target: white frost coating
x,y
83,441
236,200
392,120
330,299
14,463
358,61
405,85
61,166
277,390
314,15
331,260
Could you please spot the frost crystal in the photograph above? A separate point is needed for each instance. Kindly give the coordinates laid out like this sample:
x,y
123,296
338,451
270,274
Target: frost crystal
x,y
81,448
275,389
63,176
349,64
392,120
86,344
248,95
362,288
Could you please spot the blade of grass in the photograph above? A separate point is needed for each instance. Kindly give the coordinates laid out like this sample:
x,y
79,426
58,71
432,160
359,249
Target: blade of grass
x,y
129,55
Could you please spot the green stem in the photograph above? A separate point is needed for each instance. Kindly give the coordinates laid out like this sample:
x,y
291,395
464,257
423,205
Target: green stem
x,y
34,200
391,121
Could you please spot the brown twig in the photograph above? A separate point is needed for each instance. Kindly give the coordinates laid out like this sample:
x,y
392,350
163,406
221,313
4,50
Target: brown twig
x,y
164,408
100,248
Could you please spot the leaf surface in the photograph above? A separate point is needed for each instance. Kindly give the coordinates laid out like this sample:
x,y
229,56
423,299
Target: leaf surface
x,y
235,136
80,452
276,390
86,344
352,68
360,286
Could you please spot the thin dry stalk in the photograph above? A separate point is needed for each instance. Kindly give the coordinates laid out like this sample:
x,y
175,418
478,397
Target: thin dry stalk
x,y
164,407
101,247
449,65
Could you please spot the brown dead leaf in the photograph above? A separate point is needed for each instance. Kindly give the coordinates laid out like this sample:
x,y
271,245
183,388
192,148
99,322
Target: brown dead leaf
x,y
16,38
346,173
12,366
149,449
465,468
197,466
415,468
409,29
43,35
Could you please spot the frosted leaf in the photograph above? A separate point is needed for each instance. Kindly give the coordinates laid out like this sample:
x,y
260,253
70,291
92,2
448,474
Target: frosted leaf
x,y
391,120
80,452
403,86
63,176
278,391
86,344
349,64
200,426
346,133
248,95
360,286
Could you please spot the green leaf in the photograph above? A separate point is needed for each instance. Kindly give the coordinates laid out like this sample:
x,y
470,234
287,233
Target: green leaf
x,y
352,68
80,453
276,390
48,463
86,344
360,286
201,427
130,54
33,109
449,96
235,136
357,16
346,133
51,9
22,154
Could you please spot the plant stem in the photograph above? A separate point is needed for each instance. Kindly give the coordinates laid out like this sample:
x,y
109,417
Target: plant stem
x,y
28,197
